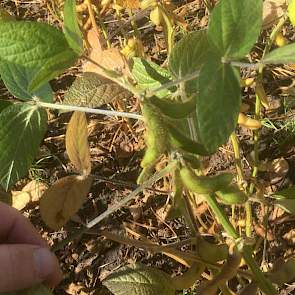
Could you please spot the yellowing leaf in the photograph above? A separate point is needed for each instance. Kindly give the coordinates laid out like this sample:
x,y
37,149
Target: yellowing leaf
x,y
20,199
77,144
291,12
130,4
35,189
63,199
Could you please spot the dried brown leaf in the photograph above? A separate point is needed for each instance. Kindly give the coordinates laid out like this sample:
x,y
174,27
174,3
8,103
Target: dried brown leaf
x,y
77,143
63,199
273,10
111,59
129,4
20,199
35,189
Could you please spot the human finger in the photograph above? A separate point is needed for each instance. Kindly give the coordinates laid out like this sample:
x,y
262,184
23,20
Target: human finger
x,y
23,266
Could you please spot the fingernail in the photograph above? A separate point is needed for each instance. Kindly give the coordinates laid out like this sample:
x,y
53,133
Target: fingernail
x,y
45,262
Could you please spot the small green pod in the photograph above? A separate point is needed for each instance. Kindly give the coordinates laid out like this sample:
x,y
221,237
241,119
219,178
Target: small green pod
x,y
231,195
204,184
175,110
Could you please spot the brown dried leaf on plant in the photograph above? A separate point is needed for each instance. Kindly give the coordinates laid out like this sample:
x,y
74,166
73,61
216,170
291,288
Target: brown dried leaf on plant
x,y
77,143
273,10
110,59
63,199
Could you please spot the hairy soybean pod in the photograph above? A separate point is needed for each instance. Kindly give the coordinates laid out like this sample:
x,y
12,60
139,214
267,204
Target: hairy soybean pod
x,y
204,184
231,195
156,131
156,139
175,110
180,141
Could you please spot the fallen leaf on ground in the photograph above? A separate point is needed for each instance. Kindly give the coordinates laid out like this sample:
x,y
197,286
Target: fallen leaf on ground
x,y
35,189
20,199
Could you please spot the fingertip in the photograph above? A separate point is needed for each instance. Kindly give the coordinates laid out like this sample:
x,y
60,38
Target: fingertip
x,y
47,266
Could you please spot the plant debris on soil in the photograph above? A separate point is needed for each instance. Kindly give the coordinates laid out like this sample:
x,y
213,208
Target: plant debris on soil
x,y
117,147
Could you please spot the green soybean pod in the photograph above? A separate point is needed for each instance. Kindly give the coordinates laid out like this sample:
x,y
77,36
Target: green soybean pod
x,y
172,109
156,131
204,184
231,195
156,140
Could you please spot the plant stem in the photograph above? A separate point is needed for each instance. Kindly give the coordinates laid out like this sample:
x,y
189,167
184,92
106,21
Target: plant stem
x,y
168,169
71,108
221,216
236,148
153,91
248,207
263,282
92,16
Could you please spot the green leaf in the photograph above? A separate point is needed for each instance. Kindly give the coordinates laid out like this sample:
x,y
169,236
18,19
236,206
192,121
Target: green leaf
x,y
218,103
288,193
187,57
287,205
283,272
139,279
283,55
235,26
35,46
92,90
16,78
22,128
37,290
52,69
179,140
291,12
4,104
149,75
71,27
174,109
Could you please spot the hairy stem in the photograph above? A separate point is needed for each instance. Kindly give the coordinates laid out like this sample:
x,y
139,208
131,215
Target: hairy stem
x,y
263,282
71,108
